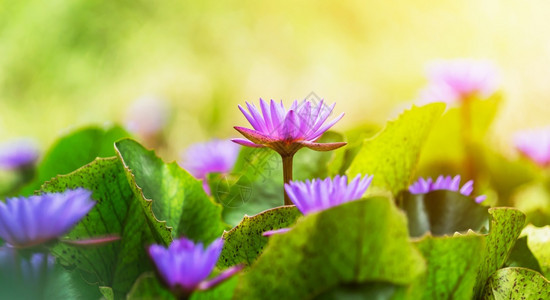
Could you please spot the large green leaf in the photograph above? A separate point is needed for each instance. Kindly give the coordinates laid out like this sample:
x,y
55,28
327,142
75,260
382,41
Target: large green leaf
x,y
74,150
392,155
244,243
442,212
517,283
521,256
343,157
453,262
539,244
505,226
360,241
177,197
118,211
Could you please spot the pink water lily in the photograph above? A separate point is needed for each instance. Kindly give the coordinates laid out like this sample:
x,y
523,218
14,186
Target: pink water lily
x,y
423,186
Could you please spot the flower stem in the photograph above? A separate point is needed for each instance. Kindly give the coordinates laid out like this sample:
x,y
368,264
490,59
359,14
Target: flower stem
x,y
287,174
467,138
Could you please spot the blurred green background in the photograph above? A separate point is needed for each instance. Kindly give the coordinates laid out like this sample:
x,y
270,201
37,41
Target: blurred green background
x,y
68,63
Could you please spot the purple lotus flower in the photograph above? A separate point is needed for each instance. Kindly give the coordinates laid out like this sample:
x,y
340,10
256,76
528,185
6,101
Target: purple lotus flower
x,y
423,186
17,154
286,131
216,156
184,266
453,81
534,144
27,222
316,195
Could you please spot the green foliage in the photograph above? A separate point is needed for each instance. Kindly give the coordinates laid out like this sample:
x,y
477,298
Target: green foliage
x,y
505,226
452,140
74,150
244,243
442,212
517,283
453,262
360,241
176,196
534,200
539,243
391,156
118,211
147,287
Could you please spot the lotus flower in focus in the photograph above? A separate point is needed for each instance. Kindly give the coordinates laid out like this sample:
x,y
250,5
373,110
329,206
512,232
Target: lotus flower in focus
x,y
423,186
30,221
184,266
286,131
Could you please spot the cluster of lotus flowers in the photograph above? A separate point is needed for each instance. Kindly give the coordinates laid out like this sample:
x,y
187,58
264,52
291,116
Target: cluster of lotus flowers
x,y
185,266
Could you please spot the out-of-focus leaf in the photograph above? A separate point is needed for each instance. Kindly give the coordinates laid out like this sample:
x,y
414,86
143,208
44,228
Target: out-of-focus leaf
x,y
517,283
453,262
357,242
445,145
74,150
118,211
177,197
370,290
442,212
344,156
534,200
392,155
538,240
107,292
310,164
147,287
244,243
522,257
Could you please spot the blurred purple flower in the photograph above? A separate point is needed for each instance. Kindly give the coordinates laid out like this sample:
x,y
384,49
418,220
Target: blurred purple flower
x,y
147,116
27,222
455,80
423,186
286,131
534,144
18,153
215,156
316,195
184,266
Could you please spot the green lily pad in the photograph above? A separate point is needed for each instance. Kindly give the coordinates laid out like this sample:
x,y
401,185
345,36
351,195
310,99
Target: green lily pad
x,y
517,283
539,244
118,211
245,242
175,195
392,155
359,241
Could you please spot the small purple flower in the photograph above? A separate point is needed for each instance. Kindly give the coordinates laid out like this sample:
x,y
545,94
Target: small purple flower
x,y
286,131
215,156
423,186
184,266
17,154
27,222
316,195
455,80
534,144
